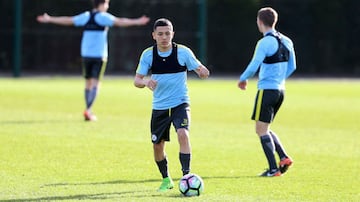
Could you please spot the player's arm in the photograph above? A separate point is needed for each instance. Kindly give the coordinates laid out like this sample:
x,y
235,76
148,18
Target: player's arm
x,y
142,70
202,72
292,63
59,20
187,56
141,82
126,22
252,68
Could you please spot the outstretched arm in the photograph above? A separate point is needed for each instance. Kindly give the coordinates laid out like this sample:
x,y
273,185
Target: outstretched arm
x,y
202,72
126,22
60,20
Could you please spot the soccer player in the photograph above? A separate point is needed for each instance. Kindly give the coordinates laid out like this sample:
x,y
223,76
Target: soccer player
x,y
94,44
168,64
275,56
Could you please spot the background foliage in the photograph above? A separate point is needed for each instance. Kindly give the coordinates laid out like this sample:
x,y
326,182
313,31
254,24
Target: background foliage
x,y
325,34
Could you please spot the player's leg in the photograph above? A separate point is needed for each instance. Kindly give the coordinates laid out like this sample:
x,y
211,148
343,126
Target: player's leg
x,y
87,66
185,150
96,73
267,143
263,115
285,160
181,120
160,131
278,146
162,163
92,86
160,158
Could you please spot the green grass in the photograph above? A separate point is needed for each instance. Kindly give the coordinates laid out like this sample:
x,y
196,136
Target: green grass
x,y
48,153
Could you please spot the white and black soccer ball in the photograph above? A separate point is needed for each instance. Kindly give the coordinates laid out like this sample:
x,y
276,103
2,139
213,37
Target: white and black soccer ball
x,y
191,185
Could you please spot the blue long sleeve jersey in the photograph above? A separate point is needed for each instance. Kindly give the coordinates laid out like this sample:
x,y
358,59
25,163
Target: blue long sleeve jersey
x,y
271,76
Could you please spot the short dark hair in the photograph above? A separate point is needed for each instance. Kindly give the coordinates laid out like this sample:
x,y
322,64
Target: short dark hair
x,y
96,3
268,16
162,22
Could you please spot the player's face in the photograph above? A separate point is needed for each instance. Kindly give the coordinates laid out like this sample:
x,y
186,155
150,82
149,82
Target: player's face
x,y
163,36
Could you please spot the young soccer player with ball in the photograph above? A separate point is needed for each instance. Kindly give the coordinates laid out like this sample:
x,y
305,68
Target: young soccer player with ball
x,y
168,63
275,56
94,44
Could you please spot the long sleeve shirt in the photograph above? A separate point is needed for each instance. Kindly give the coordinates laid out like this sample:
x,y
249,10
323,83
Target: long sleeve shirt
x,y
271,76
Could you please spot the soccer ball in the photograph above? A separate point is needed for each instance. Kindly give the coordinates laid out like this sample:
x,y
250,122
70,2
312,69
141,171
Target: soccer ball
x,y
191,185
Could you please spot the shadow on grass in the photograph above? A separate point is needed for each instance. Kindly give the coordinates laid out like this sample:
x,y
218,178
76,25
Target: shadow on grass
x,y
116,195
140,181
102,183
100,196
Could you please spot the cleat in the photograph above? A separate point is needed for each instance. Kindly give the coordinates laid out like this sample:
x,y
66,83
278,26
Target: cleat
x,y
88,116
284,164
166,184
271,173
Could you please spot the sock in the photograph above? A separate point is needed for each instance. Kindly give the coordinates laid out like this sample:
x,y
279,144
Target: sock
x,y
92,96
185,162
278,146
87,98
269,149
163,167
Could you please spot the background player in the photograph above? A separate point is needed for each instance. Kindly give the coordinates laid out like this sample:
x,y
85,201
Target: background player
x,y
275,56
94,43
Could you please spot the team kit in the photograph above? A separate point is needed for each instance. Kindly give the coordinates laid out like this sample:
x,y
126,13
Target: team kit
x,y
162,69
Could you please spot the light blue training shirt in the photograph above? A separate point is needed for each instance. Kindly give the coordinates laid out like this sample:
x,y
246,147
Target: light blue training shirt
x,y
94,43
271,76
171,89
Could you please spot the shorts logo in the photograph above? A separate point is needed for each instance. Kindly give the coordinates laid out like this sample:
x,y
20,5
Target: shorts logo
x,y
185,122
153,137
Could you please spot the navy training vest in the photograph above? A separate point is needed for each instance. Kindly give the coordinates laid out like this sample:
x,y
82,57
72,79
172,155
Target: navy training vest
x,y
165,65
281,55
91,25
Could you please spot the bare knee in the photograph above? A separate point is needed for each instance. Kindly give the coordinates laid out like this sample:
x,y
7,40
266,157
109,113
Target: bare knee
x,y
184,141
158,147
261,128
183,135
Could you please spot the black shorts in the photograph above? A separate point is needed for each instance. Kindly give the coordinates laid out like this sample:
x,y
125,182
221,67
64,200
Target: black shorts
x,y
93,68
161,121
267,104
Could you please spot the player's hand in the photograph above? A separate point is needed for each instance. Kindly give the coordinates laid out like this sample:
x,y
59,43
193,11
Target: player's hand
x,y
151,84
203,72
143,20
45,18
242,84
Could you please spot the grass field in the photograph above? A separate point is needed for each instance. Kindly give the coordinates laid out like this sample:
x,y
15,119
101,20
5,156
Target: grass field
x,y
48,153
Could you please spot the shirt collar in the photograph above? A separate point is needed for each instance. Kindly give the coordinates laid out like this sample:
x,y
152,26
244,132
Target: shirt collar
x,y
270,31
